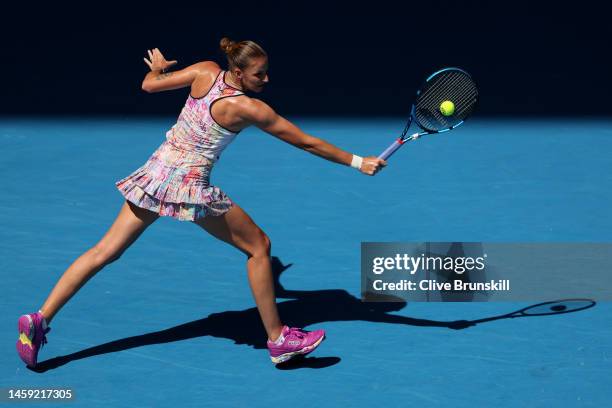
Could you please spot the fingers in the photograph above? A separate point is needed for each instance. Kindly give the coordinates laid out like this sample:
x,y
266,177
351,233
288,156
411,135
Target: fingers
x,y
372,165
152,59
370,169
380,164
158,54
156,60
155,54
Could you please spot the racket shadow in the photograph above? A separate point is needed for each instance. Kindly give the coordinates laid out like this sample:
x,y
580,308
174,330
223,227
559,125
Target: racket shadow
x,y
550,308
303,309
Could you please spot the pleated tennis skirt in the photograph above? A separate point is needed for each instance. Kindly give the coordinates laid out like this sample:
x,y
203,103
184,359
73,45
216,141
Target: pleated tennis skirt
x,y
174,182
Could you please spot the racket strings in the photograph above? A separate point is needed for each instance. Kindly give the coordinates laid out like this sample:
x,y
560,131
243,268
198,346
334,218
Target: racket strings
x,y
465,102
445,86
435,87
459,94
452,88
433,90
460,98
453,85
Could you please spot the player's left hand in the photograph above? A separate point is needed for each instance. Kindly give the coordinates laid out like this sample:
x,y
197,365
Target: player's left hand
x,y
157,61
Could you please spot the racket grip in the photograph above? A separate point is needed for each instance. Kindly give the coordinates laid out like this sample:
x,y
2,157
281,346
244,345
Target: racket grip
x,y
391,149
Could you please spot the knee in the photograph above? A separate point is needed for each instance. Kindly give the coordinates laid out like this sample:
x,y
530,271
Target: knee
x,y
263,245
103,255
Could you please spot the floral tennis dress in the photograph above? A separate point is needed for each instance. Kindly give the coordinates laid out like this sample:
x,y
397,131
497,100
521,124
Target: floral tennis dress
x,y
175,179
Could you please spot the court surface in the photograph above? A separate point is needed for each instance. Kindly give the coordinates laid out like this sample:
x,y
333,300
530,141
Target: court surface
x,y
173,323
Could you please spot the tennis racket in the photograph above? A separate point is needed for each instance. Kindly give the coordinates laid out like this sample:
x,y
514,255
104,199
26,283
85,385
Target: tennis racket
x,y
432,110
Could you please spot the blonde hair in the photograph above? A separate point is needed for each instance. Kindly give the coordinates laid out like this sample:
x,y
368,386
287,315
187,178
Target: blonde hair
x,y
240,53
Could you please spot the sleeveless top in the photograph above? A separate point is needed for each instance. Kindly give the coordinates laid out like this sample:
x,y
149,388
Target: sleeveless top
x,y
196,130
175,179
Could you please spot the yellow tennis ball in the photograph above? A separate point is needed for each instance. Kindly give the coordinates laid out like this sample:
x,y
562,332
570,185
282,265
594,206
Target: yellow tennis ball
x,y
447,108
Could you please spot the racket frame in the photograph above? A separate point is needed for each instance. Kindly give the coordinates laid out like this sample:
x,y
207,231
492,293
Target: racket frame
x,y
399,142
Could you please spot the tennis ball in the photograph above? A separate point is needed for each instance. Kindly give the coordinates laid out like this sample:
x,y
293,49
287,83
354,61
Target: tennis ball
x,y
447,108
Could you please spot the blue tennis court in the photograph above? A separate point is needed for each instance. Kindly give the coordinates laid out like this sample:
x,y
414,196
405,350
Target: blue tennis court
x,y
173,321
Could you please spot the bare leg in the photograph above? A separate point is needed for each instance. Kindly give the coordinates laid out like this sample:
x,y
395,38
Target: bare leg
x,y
130,223
238,229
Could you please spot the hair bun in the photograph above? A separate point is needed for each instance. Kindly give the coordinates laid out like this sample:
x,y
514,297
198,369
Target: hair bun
x,y
227,45
239,54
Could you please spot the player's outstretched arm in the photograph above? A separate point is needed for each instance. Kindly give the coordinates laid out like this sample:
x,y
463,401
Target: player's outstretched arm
x,y
264,117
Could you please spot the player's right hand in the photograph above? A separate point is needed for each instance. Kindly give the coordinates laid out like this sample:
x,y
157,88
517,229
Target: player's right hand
x,y
372,165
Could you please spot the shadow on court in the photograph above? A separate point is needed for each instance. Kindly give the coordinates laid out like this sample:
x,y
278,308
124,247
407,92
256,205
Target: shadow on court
x,y
305,308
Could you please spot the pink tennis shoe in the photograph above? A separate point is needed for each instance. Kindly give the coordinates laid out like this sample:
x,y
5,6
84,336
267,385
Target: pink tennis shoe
x,y
32,336
293,342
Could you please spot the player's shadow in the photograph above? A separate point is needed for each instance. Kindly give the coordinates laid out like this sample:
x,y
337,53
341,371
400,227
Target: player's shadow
x,y
305,308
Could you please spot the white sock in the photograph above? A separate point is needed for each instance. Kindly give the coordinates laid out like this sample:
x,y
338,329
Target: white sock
x,y
280,340
44,322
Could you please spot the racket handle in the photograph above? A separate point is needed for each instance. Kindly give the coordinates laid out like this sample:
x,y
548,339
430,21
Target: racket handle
x,y
391,149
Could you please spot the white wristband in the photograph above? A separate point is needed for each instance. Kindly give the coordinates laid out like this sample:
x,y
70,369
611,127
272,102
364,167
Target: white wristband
x,y
356,162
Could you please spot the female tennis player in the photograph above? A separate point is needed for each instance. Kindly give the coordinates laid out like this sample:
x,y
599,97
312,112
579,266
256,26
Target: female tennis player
x,y
175,182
